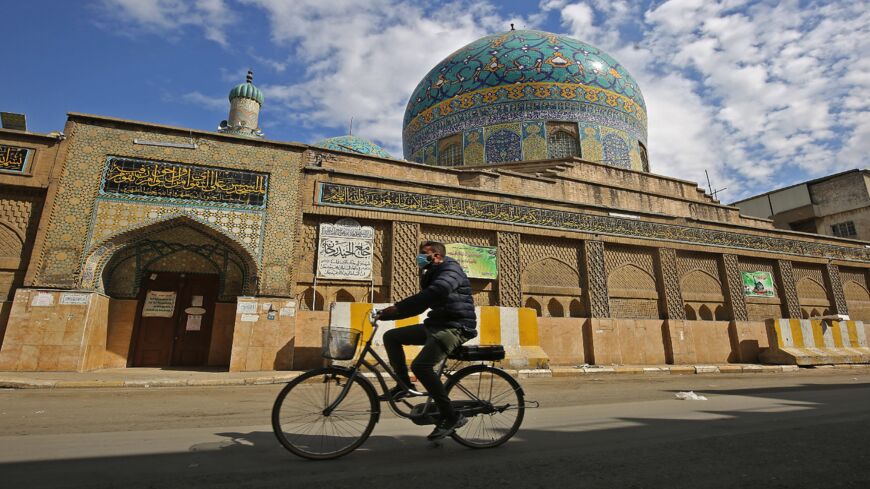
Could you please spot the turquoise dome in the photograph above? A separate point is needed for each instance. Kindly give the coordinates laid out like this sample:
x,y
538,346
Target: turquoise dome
x,y
353,144
522,76
247,90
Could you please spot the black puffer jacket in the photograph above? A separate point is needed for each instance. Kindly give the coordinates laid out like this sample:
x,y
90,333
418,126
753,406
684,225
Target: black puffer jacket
x,y
446,291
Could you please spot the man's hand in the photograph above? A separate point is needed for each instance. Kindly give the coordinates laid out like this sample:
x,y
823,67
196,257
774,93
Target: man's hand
x,y
389,311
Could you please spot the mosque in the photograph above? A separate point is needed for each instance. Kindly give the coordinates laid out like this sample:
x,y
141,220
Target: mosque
x,y
129,243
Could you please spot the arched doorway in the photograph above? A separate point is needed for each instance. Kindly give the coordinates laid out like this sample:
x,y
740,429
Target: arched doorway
x,y
173,286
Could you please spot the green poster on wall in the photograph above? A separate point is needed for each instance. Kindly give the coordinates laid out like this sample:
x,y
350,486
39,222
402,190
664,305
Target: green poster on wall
x,y
477,261
758,284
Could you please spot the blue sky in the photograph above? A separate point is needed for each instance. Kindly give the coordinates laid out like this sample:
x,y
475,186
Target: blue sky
x,y
761,94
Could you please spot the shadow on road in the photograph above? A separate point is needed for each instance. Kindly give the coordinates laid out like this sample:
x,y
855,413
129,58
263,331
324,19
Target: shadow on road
x,y
805,436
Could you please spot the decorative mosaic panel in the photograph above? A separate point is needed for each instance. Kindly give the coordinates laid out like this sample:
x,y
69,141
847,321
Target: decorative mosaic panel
x,y
616,150
473,153
833,273
177,249
590,143
673,298
730,267
435,205
596,279
15,159
112,217
509,286
178,182
503,143
548,110
534,144
92,141
404,278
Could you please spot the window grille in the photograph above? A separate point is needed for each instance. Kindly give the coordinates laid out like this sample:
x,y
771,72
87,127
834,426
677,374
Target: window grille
x,y
562,144
450,155
844,229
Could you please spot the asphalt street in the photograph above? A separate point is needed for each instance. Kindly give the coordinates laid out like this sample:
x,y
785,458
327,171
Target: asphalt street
x,y
788,430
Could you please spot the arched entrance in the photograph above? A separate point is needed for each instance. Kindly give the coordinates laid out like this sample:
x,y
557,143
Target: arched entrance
x,y
173,287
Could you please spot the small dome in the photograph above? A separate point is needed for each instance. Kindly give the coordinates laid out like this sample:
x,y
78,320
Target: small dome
x,y
247,90
353,144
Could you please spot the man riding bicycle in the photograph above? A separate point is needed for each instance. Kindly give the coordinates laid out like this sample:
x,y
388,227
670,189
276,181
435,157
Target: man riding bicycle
x,y
446,292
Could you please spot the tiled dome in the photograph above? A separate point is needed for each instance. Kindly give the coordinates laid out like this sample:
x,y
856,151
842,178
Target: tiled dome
x,y
523,76
353,144
247,90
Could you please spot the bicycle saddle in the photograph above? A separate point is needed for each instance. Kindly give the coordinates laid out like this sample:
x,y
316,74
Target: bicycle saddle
x,y
472,353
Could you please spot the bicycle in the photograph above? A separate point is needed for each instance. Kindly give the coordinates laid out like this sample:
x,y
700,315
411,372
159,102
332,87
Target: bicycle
x,y
329,412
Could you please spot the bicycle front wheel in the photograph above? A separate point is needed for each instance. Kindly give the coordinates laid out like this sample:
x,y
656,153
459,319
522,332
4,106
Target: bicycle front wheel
x,y
493,402
302,424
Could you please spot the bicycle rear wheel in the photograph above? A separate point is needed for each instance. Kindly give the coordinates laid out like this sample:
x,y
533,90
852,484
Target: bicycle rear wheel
x,y
299,421
493,402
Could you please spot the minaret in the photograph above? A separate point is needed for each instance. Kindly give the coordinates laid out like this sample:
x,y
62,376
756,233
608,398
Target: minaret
x,y
245,103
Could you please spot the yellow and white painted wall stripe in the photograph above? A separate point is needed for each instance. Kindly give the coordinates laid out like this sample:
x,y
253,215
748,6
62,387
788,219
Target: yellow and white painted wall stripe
x,y
514,328
814,342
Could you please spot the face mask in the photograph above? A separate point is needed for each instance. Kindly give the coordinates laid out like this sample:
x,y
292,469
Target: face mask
x,y
422,260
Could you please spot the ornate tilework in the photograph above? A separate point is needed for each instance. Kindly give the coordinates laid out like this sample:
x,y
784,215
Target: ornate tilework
x,y
415,203
734,287
509,286
595,271
174,182
522,76
353,144
14,159
534,144
503,143
473,153
786,279
616,151
113,217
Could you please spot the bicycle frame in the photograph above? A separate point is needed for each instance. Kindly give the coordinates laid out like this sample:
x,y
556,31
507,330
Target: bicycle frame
x,y
362,362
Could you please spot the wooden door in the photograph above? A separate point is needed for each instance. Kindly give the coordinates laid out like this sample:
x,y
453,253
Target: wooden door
x,y
197,297
178,333
155,333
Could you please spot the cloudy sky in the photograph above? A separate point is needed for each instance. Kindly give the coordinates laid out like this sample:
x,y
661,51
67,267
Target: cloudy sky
x,y
761,94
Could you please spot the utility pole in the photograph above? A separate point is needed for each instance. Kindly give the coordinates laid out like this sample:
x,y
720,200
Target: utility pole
x,y
710,186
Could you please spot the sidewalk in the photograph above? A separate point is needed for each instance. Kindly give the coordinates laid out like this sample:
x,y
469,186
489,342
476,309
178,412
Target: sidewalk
x,y
157,377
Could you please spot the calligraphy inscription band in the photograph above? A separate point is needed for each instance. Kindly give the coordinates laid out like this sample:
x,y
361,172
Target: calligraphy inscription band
x,y
156,179
407,202
13,158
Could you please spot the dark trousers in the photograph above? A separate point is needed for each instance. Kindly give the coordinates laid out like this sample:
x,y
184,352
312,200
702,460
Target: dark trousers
x,y
437,344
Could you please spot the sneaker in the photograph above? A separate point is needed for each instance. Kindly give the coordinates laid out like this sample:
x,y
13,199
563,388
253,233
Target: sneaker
x,y
447,427
399,392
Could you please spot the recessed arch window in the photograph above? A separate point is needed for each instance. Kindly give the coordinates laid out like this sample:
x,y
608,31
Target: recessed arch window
x,y
644,158
450,155
562,144
450,150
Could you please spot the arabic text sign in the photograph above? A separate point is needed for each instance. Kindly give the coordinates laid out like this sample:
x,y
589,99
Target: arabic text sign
x,y
125,176
477,261
758,284
345,252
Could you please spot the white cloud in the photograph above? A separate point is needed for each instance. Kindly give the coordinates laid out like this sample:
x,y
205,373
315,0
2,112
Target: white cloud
x,y
366,62
759,93
170,16
206,102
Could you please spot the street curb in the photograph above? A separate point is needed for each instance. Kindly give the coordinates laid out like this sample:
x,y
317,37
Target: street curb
x,y
553,372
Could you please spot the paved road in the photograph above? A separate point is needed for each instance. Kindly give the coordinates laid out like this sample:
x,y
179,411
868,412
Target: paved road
x,y
808,429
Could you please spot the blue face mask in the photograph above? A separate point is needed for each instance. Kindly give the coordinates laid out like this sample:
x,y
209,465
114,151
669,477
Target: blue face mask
x,y
422,260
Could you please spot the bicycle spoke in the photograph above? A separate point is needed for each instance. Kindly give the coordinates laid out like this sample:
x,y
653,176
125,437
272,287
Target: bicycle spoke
x,y
302,426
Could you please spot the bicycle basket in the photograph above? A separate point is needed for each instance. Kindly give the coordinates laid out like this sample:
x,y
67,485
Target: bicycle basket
x,y
339,343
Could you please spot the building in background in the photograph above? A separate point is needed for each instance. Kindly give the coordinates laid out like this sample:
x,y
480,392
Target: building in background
x,y
128,243
835,205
